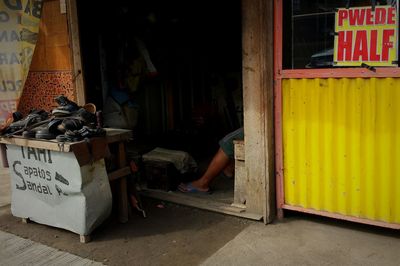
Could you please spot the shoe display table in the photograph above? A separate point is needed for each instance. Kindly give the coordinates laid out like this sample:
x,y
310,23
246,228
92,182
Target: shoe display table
x,y
66,185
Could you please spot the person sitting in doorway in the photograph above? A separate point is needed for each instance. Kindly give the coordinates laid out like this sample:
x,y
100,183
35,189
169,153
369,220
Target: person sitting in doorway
x,y
223,161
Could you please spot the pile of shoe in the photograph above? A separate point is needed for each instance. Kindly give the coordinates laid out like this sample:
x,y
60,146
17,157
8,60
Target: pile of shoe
x,y
66,123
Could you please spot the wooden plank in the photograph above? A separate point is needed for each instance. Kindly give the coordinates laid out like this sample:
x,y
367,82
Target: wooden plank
x,y
241,206
3,155
117,135
76,51
103,69
84,239
119,173
112,135
204,204
52,145
241,181
123,189
257,23
240,189
239,150
278,19
87,152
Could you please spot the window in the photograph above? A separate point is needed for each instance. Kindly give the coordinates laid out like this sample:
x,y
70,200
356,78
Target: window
x,y
309,33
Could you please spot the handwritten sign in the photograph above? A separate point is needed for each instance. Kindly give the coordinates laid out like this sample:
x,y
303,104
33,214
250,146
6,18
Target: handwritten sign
x,y
366,36
50,187
19,27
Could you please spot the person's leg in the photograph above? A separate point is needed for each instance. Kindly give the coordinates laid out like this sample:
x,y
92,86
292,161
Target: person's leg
x,y
221,161
217,164
229,170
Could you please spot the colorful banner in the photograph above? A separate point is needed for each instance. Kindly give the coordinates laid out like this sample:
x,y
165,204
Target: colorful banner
x,y
19,27
366,36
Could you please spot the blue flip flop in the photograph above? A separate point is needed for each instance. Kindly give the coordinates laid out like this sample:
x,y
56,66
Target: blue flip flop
x,y
189,188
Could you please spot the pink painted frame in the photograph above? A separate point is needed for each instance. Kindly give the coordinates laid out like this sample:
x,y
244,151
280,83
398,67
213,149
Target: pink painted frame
x,y
280,197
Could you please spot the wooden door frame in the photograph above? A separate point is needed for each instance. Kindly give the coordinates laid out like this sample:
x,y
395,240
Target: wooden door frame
x,y
258,103
258,99
75,46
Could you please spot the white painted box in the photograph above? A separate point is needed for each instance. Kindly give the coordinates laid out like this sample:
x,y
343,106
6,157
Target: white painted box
x,y
52,188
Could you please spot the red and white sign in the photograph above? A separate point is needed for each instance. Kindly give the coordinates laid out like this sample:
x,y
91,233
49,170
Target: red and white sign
x,y
364,35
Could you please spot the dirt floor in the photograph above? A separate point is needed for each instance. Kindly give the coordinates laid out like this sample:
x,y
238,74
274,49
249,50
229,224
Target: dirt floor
x,y
170,235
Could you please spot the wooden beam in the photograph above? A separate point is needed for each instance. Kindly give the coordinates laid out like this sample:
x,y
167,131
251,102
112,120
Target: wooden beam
x,y
123,204
240,189
257,23
117,135
239,150
73,27
210,205
84,239
112,135
38,143
117,174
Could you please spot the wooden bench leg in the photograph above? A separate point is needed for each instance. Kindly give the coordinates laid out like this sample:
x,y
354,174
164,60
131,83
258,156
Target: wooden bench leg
x,y
123,200
123,189
84,239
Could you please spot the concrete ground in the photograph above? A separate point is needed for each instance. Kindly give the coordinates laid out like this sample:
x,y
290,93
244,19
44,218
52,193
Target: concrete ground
x,y
15,250
4,187
305,241
178,235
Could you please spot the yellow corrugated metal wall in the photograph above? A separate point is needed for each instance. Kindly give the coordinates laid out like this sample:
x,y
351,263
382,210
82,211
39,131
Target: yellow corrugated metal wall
x,y
341,146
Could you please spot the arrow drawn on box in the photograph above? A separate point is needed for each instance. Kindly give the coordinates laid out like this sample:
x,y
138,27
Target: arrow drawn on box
x,y
59,190
61,179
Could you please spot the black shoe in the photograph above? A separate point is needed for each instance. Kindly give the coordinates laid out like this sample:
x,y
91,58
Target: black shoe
x,y
79,119
66,138
29,134
17,116
66,107
69,136
34,117
72,124
53,126
86,132
83,133
48,130
88,118
44,134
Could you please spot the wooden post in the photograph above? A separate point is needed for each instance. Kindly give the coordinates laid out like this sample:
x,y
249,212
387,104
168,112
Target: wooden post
x,y
278,5
76,52
240,188
257,23
3,155
84,239
123,193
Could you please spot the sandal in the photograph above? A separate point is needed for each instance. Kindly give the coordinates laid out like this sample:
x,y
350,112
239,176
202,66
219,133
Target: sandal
x,y
69,136
66,106
33,117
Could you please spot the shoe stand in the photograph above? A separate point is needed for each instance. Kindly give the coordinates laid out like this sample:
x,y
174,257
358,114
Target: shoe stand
x,y
66,185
